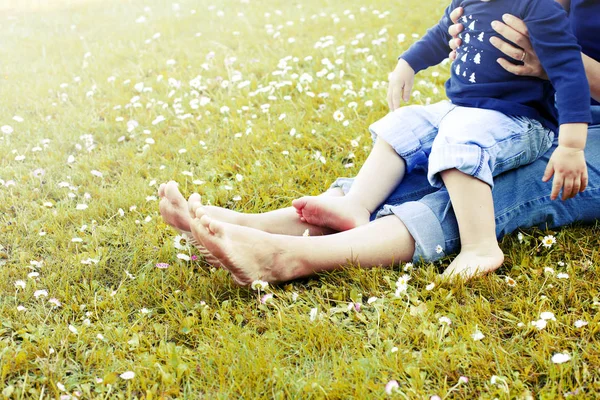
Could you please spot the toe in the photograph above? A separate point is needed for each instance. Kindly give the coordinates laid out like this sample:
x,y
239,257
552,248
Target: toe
x,y
172,192
300,203
161,190
194,202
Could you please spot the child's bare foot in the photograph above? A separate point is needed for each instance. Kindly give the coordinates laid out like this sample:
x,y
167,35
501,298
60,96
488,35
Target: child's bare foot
x,y
173,207
475,260
249,254
338,213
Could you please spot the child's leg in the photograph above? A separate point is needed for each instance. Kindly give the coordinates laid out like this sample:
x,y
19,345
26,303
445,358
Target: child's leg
x,y
404,139
474,209
377,178
472,146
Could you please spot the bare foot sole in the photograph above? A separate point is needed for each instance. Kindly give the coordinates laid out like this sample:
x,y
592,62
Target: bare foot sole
x,y
173,207
337,213
475,261
175,211
249,254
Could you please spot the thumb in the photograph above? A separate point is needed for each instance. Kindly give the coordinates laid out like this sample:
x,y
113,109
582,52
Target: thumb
x,y
548,172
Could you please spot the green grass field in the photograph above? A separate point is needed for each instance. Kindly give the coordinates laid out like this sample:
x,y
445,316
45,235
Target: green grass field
x,y
101,101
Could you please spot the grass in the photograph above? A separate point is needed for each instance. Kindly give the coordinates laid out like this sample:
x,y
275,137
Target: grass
x,y
187,331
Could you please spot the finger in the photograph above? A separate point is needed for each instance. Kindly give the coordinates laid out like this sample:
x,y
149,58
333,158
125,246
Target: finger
x,y
406,92
508,49
576,187
452,55
516,24
557,184
584,181
396,97
519,38
567,189
456,14
455,29
548,172
520,70
455,43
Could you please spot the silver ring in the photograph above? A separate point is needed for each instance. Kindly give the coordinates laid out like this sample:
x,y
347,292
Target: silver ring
x,y
523,56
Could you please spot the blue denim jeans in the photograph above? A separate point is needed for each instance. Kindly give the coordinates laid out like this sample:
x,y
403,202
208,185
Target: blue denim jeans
x,y
478,142
521,200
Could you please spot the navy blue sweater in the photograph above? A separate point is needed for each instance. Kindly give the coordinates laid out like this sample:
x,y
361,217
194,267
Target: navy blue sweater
x,y
585,22
477,80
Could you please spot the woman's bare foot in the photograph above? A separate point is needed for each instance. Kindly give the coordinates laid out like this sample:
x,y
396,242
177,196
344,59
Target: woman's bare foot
x,y
475,260
176,211
337,213
249,254
173,207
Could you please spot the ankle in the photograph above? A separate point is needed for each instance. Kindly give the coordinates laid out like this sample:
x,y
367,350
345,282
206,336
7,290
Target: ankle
x,y
358,201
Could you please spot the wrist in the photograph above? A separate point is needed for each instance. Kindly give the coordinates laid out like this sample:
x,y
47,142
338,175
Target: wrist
x,y
402,63
573,135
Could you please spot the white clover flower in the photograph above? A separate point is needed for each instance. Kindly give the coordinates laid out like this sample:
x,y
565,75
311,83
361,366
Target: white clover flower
x,y
267,297
548,241
338,116
477,335
540,324
259,285
580,323
313,313
183,257
391,387
560,358
127,375
547,316
55,302
177,242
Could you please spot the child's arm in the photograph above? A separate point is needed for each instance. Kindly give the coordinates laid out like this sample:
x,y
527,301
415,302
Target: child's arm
x,y
560,56
430,50
567,163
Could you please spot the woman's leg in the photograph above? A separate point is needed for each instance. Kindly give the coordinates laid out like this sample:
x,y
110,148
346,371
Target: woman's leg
x,y
250,254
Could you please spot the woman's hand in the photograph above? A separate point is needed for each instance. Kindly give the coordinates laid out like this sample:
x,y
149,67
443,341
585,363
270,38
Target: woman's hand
x,y
454,30
401,83
515,30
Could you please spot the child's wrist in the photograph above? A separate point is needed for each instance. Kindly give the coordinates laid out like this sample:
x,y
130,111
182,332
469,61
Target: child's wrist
x,y
573,135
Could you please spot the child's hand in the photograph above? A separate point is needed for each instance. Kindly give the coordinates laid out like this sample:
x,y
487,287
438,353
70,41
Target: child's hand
x,y
567,164
401,83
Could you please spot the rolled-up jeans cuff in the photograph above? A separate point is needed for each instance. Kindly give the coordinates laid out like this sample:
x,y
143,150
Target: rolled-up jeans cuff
x,y
407,145
424,227
468,159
